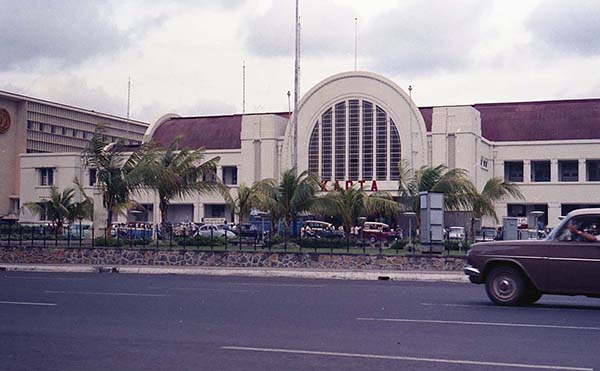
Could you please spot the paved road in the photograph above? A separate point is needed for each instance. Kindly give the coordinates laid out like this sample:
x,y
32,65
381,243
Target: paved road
x,y
133,322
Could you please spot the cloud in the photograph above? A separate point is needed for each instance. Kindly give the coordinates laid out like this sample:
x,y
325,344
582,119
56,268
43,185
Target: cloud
x,y
425,36
566,26
326,28
67,31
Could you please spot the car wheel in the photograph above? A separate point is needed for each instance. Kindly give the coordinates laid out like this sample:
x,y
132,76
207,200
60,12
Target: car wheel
x,y
531,295
505,285
372,239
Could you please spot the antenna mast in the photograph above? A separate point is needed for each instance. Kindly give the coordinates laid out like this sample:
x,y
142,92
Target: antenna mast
x,y
355,41
128,107
296,91
244,87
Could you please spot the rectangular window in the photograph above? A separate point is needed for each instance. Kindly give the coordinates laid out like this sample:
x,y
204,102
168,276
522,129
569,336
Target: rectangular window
x,y
367,164
381,140
46,176
230,175
593,170
326,145
483,163
64,131
353,140
568,171
29,125
540,171
340,141
513,171
41,127
52,129
209,177
93,176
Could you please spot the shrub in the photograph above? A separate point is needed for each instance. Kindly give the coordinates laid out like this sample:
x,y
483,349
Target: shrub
x,y
323,243
399,244
456,245
107,242
203,241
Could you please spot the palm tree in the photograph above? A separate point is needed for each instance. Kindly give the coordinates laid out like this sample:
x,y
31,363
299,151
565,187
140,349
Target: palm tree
x,y
459,192
60,207
352,203
293,195
118,174
244,201
494,190
180,173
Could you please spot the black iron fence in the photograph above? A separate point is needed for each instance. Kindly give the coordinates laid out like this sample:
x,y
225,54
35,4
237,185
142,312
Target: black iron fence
x,y
149,236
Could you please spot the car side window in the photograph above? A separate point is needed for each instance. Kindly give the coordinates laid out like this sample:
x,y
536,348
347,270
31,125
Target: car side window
x,y
571,231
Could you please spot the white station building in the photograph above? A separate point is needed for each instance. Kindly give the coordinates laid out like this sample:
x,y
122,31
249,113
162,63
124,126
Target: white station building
x,y
354,127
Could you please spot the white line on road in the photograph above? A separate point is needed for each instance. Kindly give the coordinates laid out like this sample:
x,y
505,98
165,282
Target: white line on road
x,y
200,289
537,307
102,293
42,278
28,303
411,359
273,284
479,323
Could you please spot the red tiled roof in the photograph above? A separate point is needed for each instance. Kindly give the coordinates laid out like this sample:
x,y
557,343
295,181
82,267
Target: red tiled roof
x,y
544,120
519,121
210,132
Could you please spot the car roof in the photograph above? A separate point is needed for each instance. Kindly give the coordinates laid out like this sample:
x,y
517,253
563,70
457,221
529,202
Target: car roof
x,y
577,212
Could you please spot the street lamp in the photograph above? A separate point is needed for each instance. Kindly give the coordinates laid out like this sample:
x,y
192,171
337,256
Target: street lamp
x,y
410,215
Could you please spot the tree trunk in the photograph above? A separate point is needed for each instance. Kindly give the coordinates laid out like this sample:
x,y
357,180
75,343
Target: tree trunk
x,y
163,206
108,229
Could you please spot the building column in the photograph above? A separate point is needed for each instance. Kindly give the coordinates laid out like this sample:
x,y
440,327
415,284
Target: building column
x,y
553,214
526,171
198,212
553,170
582,174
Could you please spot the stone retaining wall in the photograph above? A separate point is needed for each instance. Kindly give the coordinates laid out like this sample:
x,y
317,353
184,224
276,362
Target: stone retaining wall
x,y
229,259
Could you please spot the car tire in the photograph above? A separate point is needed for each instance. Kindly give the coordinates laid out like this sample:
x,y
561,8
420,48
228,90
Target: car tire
x,y
505,285
531,295
372,239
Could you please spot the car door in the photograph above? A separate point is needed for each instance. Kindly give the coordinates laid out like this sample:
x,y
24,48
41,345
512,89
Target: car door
x,y
573,264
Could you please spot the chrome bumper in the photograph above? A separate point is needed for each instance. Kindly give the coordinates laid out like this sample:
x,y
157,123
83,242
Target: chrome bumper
x,y
473,273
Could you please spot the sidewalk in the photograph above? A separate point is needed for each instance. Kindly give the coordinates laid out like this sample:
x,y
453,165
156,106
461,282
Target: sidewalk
x,y
424,276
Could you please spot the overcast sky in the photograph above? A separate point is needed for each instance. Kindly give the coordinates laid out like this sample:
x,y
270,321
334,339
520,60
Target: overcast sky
x,y
186,56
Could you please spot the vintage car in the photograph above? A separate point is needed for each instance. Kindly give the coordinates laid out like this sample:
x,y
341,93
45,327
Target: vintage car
x,y
375,231
566,262
319,229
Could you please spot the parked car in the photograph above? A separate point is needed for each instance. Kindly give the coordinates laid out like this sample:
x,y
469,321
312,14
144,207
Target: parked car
x,y
375,231
456,233
217,231
320,229
520,272
487,234
247,231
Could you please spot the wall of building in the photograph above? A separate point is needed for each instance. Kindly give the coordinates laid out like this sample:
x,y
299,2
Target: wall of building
x,y
12,143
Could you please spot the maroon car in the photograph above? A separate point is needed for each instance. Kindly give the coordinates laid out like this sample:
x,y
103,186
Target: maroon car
x,y
567,262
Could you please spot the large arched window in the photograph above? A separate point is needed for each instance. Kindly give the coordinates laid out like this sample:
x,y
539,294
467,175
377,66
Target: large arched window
x,y
354,140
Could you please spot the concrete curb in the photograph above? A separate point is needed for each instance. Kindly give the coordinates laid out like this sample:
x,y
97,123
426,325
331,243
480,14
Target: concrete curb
x,y
422,276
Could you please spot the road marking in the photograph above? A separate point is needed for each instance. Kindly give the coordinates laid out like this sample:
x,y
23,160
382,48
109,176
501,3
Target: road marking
x,y
201,289
28,303
42,278
537,307
478,323
411,359
273,284
102,293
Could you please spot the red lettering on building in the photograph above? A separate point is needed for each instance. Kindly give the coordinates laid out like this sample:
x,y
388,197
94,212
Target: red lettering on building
x,y
349,184
374,186
323,185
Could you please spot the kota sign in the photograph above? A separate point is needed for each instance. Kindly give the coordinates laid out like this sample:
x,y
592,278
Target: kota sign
x,y
327,186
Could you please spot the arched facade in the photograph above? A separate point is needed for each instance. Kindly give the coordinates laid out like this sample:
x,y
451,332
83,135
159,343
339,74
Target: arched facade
x,y
357,126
